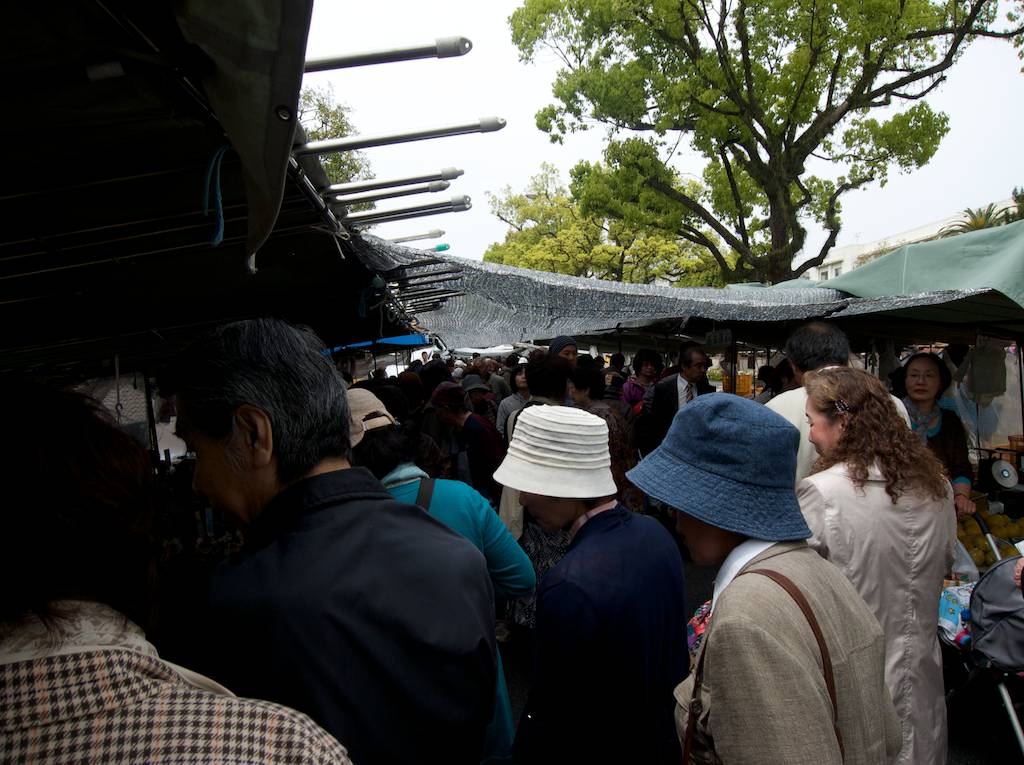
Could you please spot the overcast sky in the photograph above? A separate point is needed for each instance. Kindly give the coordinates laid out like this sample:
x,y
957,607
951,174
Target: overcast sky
x,y
979,161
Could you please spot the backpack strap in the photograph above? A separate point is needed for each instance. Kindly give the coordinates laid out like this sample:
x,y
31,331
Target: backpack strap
x,y
425,494
800,599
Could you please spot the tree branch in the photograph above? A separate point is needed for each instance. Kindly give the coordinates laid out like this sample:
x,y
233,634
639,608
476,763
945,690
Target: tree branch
x,y
740,220
700,211
690,234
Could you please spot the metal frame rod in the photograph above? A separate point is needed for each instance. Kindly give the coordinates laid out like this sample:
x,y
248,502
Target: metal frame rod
x,y
424,188
408,216
442,47
1011,713
434,233
429,299
365,217
441,275
482,125
413,296
447,276
444,174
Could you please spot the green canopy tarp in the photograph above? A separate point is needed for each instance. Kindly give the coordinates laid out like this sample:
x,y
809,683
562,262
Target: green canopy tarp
x,y
990,259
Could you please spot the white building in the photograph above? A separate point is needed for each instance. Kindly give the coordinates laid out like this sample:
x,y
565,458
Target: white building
x,y
848,257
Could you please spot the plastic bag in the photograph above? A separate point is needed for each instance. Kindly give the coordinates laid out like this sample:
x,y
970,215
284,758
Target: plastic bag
x,y
964,569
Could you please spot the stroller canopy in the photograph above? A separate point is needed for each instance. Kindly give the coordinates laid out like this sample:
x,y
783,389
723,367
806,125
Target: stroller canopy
x,y
997,618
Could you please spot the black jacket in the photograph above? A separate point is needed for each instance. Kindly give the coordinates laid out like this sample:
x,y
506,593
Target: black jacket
x,y
368,615
660,406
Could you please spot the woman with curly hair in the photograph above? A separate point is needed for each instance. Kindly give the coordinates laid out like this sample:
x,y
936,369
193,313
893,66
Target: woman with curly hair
x,y
881,509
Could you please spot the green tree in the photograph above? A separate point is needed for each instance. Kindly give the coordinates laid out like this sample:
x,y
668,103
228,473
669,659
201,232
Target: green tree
x,y
761,90
549,232
323,117
1016,212
976,219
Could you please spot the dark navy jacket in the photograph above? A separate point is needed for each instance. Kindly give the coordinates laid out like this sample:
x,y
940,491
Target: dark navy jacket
x,y
368,615
611,647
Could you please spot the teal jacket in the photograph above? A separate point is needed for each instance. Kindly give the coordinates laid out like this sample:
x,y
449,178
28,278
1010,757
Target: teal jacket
x,y
465,511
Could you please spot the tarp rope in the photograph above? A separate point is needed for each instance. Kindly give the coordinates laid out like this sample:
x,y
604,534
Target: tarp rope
x,y
213,178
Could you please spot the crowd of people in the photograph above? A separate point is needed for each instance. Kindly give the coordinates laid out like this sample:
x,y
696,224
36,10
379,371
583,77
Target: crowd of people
x,y
399,530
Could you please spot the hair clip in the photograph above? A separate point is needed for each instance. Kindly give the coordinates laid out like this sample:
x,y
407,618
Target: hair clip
x,y
842,406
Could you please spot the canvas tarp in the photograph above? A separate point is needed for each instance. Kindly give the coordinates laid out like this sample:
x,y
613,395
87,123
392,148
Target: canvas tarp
x,y
990,259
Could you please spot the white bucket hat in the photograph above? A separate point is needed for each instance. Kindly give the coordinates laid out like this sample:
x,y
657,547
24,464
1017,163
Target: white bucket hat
x,y
558,451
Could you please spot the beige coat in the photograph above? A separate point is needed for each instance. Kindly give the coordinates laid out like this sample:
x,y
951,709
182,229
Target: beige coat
x,y
763,699
896,556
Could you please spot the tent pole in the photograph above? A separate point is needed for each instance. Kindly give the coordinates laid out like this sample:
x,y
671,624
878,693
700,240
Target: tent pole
x,y
734,360
1020,381
154,441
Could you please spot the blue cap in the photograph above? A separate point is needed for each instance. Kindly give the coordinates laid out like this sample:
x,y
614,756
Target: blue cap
x,y
730,463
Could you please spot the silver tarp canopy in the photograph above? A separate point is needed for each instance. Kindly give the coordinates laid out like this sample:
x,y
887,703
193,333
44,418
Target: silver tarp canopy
x,y
471,303
498,303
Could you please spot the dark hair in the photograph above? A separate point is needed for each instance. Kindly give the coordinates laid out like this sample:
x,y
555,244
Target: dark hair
x,y
432,374
384,449
817,345
873,433
781,376
512,360
618,360
393,399
272,365
688,354
588,378
899,376
644,355
765,372
547,375
412,388
78,510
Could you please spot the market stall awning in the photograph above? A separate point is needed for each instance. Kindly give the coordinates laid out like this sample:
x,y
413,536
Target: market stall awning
x,y
474,304
396,343
990,259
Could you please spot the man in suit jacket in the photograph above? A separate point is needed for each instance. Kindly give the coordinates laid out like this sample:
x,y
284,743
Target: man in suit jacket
x,y
763,694
668,396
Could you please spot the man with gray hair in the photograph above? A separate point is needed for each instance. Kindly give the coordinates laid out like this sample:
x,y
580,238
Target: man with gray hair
x,y
363,612
813,346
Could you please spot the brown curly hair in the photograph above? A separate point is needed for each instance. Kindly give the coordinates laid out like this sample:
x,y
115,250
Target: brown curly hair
x,y
873,432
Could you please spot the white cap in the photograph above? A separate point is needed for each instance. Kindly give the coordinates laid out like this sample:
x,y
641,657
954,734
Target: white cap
x,y
558,451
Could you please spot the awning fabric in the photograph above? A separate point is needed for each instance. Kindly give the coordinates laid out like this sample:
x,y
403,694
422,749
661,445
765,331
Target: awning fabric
x,y
990,259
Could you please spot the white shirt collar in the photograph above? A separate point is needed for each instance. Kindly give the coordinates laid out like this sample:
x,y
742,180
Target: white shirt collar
x,y
681,385
740,556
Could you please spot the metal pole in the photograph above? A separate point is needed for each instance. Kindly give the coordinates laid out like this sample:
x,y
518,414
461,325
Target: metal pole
x,y
371,221
154,441
483,125
1012,713
425,188
444,174
442,47
1020,381
734,361
369,215
432,234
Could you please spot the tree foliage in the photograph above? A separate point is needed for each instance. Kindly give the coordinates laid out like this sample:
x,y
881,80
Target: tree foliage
x,y
762,89
323,117
975,219
549,232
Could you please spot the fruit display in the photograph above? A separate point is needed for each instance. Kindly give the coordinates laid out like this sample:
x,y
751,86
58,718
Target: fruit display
x,y
1003,528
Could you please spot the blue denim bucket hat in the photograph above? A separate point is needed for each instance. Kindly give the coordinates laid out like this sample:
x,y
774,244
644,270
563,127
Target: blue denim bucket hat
x,y
731,463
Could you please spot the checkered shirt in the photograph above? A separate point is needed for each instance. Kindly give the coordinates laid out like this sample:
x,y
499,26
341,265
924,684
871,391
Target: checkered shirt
x,y
120,706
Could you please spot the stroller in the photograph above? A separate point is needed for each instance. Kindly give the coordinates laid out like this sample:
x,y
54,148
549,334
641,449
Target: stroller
x,y
996,645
